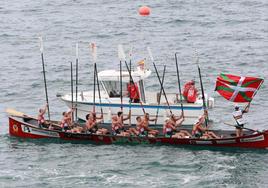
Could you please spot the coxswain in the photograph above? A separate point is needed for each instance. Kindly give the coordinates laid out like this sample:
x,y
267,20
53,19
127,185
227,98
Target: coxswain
x,y
190,92
133,92
238,116
41,116
199,131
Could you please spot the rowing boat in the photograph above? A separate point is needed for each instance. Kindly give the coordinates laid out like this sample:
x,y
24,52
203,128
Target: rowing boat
x,y
26,127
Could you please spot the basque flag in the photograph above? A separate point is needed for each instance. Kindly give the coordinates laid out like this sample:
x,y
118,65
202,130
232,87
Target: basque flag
x,y
237,88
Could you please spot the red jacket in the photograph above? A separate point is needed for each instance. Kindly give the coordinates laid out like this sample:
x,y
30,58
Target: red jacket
x,y
133,91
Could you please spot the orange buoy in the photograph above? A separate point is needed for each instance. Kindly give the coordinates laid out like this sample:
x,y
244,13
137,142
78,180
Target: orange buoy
x,y
144,11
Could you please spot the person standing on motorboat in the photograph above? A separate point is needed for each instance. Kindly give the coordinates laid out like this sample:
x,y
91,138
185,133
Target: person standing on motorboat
x,y
133,92
238,116
190,92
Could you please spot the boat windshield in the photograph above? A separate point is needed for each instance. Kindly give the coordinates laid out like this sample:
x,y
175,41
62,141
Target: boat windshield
x,y
113,88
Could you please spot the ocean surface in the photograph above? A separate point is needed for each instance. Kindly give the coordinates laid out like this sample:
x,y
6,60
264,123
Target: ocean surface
x,y
228,36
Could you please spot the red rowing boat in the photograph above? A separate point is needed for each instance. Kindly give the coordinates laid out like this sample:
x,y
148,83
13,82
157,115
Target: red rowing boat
x,y
26,127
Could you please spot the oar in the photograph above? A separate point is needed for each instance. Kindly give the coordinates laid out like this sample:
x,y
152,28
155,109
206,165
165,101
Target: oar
x,y
94,57
44,72
122,55
76,82
98,85
72,90
161,84
230,124
179,82
160,94
203,94
14,112
137,92
130,58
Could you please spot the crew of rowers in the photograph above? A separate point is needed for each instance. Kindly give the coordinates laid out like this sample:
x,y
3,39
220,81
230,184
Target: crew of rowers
x,y
142,126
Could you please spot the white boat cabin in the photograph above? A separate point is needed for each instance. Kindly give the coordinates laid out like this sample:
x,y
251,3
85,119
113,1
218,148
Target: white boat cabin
x,y
110,80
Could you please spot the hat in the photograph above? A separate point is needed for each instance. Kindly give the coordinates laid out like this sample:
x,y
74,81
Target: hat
x,y
236,106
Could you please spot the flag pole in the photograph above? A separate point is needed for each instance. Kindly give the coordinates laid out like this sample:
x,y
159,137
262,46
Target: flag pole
x,y
255,92
44,73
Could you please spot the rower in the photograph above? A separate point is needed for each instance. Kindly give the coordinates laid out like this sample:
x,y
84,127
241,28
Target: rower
x,y
92,124
66,121
169,128
40,117
145,121
142,130
238,116
118,125
199,131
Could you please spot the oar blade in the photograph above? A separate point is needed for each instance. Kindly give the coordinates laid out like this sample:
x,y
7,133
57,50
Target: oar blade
x,y
150,54
121,53
14,112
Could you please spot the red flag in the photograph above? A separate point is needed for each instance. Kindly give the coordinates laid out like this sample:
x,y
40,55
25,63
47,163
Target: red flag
x,y
237,88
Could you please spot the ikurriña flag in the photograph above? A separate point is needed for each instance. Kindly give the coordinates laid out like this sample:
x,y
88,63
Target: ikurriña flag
x,y
237,88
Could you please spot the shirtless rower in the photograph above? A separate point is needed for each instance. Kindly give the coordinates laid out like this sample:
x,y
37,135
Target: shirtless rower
x,y
92,124
118,124
40,117
66,121
145,121
177,122
170,126
199,131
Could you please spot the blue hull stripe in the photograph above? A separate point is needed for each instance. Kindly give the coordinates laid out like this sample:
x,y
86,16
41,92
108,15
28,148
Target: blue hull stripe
x,y
144,106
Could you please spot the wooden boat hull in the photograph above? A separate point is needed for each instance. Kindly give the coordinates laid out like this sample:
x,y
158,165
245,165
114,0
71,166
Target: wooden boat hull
x,y
20,128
